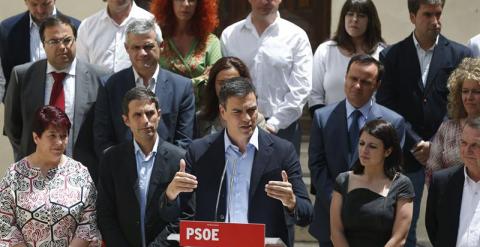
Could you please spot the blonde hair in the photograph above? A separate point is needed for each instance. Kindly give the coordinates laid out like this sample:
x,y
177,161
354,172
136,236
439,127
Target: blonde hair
x,y
468,69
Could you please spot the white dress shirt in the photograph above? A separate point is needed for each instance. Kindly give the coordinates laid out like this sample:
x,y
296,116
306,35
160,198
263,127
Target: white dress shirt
x,y
280,63
151,84
424,58
474,45
36,47
328,73
469,224
100,39
69,91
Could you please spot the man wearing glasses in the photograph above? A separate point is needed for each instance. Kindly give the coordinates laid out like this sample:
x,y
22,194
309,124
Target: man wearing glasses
x,y
19,36
60,80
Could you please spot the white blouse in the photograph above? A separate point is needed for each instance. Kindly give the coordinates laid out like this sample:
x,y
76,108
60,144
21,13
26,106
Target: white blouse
x,y
329,70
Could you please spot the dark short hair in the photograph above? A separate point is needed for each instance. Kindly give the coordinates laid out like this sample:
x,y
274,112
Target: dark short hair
x,y
56,20
209,108
236,87
46,116
414,5
384,131
373,34
139,93
367,60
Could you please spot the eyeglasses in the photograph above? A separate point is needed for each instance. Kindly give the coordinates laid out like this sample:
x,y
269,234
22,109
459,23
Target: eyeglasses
x,y
66,41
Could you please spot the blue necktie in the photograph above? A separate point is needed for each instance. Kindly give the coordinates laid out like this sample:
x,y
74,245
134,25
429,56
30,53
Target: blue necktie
x,y
353,131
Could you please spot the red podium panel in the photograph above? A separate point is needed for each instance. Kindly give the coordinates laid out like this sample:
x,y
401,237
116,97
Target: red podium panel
x,y
219,234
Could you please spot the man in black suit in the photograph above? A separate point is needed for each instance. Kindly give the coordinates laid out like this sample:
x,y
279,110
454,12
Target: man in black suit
x,y
175,92
452,217
257,175
134,176
415,86
19,37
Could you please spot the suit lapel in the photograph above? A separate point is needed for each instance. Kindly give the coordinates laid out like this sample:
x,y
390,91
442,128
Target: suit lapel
x,y
82,82
23,40
260,161
413,67
38,84
163,90
161,172
438,60
131,170
338,130
455,193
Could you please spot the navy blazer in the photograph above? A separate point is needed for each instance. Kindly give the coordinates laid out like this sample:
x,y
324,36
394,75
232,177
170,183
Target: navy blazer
x,y
15,41
118,206
402,90
206,160
177,102
444,202
328,156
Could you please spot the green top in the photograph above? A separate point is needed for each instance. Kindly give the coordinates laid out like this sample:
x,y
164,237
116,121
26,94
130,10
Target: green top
x,y
196,64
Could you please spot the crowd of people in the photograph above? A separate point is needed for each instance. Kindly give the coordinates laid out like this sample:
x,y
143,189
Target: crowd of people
x,y
144,118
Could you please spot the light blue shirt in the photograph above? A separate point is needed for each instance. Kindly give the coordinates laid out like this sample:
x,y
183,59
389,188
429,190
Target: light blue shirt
x,y
144,171
365,110
424,58
239,170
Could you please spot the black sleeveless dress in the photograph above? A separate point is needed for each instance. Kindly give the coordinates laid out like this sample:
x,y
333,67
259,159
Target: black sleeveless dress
x,y
367,216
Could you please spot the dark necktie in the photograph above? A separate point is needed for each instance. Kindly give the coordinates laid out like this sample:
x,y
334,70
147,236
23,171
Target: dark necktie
x,y
353,131
57,97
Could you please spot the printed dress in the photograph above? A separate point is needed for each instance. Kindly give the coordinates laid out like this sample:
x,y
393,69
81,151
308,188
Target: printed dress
x,y
49,210
196,64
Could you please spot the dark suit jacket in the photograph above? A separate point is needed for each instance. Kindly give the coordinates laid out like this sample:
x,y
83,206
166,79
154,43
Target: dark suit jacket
x,y
15,41
27,92
206,160
443,206
177,102
328,156
118,206
423,107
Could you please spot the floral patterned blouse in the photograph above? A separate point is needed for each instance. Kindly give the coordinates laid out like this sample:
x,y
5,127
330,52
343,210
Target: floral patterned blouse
x,y
49,210
445,148
196,64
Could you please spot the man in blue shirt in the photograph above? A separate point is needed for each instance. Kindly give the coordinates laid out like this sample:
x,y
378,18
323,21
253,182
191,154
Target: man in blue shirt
x,y
242,174
134,176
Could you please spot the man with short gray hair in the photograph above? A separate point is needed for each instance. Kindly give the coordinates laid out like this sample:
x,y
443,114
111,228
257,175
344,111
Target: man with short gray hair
x,y
174,92
415,86
101,36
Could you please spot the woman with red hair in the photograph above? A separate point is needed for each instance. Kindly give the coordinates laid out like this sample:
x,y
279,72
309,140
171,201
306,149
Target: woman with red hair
x,y
189,47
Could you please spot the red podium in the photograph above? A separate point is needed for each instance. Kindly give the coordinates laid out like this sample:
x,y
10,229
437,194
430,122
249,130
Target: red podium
x,y
219,234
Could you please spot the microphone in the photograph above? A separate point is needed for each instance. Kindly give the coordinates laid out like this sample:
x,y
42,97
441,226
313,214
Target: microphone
x,y
220,189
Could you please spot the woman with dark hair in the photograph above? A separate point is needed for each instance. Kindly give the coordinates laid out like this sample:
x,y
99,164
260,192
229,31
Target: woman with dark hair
x,y
358,32
189,47
208,120
463,104
372,205
47,198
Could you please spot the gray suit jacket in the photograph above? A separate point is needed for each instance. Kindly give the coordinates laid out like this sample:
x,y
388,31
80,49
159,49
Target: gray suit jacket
x,y
328,156
27,92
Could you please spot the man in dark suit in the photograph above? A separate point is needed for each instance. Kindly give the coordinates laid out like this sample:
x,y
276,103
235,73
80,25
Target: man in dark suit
x,y
256,176
174,92
334,136
134,176
60,80
19,37
415,86
452,217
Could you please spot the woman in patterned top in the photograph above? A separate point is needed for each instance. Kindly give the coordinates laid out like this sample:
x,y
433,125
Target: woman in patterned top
x,y
463,103
189,47
47,198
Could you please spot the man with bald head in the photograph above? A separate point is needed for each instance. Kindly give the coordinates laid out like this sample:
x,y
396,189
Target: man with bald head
x,y
19,37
